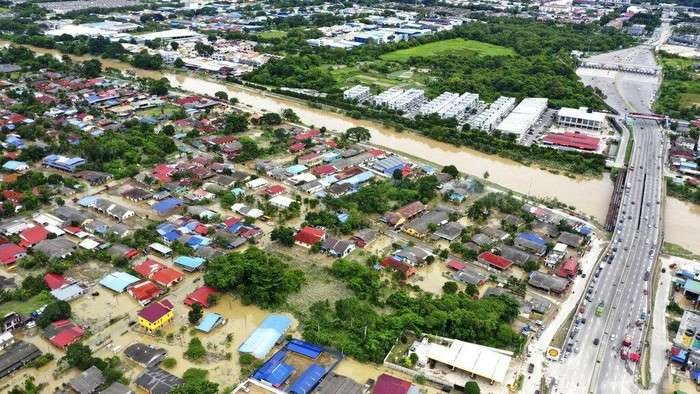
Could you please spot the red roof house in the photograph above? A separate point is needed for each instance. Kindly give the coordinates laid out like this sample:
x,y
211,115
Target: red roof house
x,y
167,277
495,261
148,267
313,133
200,296
10,253
308,236
63,333
55,281
387,384
296,147
568,269
144,292
323,170
455,265
12,195
274,190
32,236
406,269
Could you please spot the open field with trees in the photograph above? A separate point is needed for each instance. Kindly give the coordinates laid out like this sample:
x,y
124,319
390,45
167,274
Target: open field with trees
x,y
679,95
455,46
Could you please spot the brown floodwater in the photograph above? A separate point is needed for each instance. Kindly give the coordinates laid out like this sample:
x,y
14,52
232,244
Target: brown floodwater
x,y
589,195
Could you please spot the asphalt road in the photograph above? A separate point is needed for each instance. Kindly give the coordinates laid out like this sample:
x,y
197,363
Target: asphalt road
x,y
594,365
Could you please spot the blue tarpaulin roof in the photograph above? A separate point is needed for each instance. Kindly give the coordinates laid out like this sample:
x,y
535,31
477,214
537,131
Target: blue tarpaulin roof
x,y
532,237
274,371
209,322
307,380
261,341
585,230
304,348
167,205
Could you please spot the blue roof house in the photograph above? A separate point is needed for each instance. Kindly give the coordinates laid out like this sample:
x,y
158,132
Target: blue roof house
x,y
118,281
295,169
13,165
266,335
210,322
190,263
166,206
532,242
63,163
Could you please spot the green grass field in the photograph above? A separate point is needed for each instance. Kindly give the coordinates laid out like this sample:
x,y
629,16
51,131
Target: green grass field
x,y
455,46
349,76
26,307
272,34
163,110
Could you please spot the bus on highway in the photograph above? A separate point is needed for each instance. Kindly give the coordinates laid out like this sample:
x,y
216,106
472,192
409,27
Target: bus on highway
x,y
600,309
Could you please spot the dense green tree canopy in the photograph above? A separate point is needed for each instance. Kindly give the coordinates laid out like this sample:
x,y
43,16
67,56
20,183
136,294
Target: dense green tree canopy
x,y
256,276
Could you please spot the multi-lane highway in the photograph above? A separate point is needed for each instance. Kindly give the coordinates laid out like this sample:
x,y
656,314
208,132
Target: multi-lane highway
x,y
622,280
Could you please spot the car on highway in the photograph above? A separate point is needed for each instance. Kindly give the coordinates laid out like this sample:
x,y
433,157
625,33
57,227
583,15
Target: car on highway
x,y
612,338
596,342
531,368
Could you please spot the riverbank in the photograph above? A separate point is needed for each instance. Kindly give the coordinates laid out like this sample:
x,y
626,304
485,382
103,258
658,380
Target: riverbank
x,y
589,196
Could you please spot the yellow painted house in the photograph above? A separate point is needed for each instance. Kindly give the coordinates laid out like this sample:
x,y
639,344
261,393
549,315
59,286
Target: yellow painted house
x,y
156,315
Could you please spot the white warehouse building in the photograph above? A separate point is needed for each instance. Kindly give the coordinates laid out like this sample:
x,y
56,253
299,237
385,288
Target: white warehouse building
x,y
581,118
357,93
523,116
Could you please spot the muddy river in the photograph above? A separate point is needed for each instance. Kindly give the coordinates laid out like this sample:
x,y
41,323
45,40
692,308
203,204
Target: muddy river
x,y
590,196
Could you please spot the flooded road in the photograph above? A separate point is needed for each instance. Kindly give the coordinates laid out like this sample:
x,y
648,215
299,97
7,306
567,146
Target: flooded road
x,y
589,196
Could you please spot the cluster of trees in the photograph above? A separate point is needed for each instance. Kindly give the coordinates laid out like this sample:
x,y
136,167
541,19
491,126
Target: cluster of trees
x,y
196,382
380,197
505,203
683,191
362,279
123,153
324,218
80,356
679,87
57,310
356,328
255,275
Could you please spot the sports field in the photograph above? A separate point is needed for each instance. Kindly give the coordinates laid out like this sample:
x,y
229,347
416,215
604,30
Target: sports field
x,y
455,46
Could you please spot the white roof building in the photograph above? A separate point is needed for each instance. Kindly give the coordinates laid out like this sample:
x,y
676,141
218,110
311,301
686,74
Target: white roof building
x,y
256,183
168,35
484,361
523,116
281,201
581,118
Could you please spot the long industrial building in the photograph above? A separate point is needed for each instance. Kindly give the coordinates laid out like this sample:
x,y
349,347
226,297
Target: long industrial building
x,y
387,96
449,105
486,120
410,99
438,104
524,116
357,93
